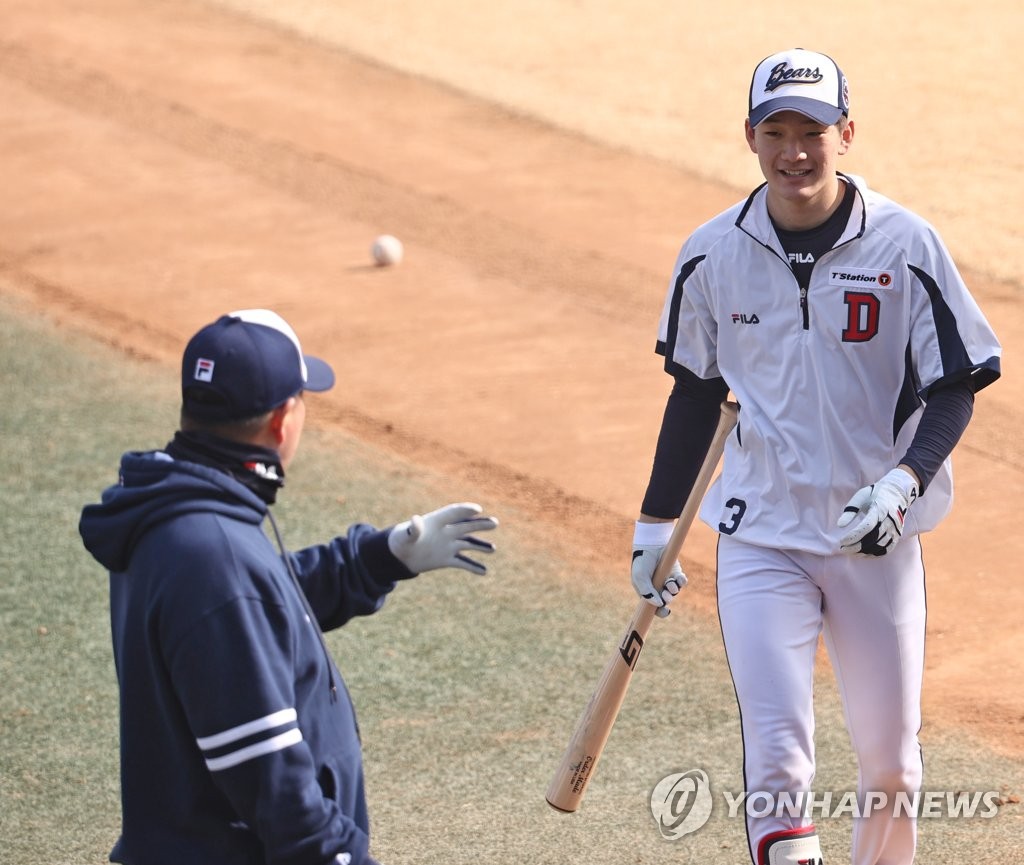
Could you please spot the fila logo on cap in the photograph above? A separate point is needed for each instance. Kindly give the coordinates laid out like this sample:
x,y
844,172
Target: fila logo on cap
x,y
204,369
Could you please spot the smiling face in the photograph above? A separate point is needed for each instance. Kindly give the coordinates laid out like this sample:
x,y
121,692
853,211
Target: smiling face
x,y
799,158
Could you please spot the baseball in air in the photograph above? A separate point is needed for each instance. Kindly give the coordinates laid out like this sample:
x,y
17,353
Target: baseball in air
x,y
387,250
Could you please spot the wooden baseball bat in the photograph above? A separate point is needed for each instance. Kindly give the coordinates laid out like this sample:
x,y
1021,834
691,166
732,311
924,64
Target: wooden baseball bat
x,y
565,792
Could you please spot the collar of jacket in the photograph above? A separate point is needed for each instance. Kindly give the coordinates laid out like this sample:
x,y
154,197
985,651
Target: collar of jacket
x,y
754,220
257,468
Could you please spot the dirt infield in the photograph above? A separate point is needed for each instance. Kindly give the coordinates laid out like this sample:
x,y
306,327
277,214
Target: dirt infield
x,y
165,161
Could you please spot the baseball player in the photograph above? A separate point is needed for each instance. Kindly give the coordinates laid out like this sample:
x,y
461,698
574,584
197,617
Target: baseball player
x,y
845,333
238,738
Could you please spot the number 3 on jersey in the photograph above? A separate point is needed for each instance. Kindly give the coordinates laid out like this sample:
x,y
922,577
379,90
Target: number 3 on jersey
x,y
738,507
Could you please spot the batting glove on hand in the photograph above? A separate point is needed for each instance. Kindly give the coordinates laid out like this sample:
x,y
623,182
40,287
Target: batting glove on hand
x,y
645,562
884,504
436,540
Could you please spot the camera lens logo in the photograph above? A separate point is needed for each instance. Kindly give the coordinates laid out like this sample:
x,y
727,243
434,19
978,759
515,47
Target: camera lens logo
x,y
681,803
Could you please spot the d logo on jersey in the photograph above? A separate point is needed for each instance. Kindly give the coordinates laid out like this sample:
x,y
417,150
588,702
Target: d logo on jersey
x,y
862,310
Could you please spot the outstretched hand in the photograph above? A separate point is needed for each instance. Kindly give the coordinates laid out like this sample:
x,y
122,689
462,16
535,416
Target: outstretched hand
x,y
438,539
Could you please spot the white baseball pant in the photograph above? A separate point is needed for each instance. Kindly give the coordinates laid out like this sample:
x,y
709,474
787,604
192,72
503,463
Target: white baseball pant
x,y
773,604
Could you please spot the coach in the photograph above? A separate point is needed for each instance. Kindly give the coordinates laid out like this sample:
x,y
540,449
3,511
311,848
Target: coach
x,y
238,738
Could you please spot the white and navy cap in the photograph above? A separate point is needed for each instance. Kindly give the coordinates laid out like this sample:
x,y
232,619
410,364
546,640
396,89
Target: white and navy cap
x,y
245,364
799,80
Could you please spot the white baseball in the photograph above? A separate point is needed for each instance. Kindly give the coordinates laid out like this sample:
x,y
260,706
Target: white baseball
x,y
387,250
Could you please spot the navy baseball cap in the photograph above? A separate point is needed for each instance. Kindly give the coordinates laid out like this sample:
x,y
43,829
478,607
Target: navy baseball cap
x,y
245,364
799,80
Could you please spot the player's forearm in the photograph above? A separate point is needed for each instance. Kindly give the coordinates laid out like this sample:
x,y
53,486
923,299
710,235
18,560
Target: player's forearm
x,y
910,470
687,427
943,422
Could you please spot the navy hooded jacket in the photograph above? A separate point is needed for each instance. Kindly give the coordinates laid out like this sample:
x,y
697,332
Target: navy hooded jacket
x,y
238,739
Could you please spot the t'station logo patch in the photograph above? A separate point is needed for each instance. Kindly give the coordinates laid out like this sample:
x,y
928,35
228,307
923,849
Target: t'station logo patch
x,y
861,276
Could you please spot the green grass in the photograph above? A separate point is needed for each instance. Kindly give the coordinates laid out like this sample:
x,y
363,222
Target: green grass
x,y
466,688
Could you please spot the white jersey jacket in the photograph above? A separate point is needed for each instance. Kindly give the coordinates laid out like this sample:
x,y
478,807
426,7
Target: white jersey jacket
x,y
830,381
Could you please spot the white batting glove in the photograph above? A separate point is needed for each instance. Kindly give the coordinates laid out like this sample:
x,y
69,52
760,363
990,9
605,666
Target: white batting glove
x,y
884,505
649,541
437,540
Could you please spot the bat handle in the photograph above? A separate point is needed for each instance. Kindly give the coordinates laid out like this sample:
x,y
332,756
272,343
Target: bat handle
x,y
728,415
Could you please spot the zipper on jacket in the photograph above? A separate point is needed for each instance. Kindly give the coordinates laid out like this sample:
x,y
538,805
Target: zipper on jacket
x,y
805,311
310,614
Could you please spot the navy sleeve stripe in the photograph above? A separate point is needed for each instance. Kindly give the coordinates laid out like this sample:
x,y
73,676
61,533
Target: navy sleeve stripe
x,y
908,400
669,346
951,346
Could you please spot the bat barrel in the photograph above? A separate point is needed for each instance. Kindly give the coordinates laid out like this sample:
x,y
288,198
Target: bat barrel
x,y
569,783
579,761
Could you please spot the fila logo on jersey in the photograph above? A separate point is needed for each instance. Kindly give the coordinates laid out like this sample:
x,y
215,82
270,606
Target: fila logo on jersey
x,y
743,318
861,276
